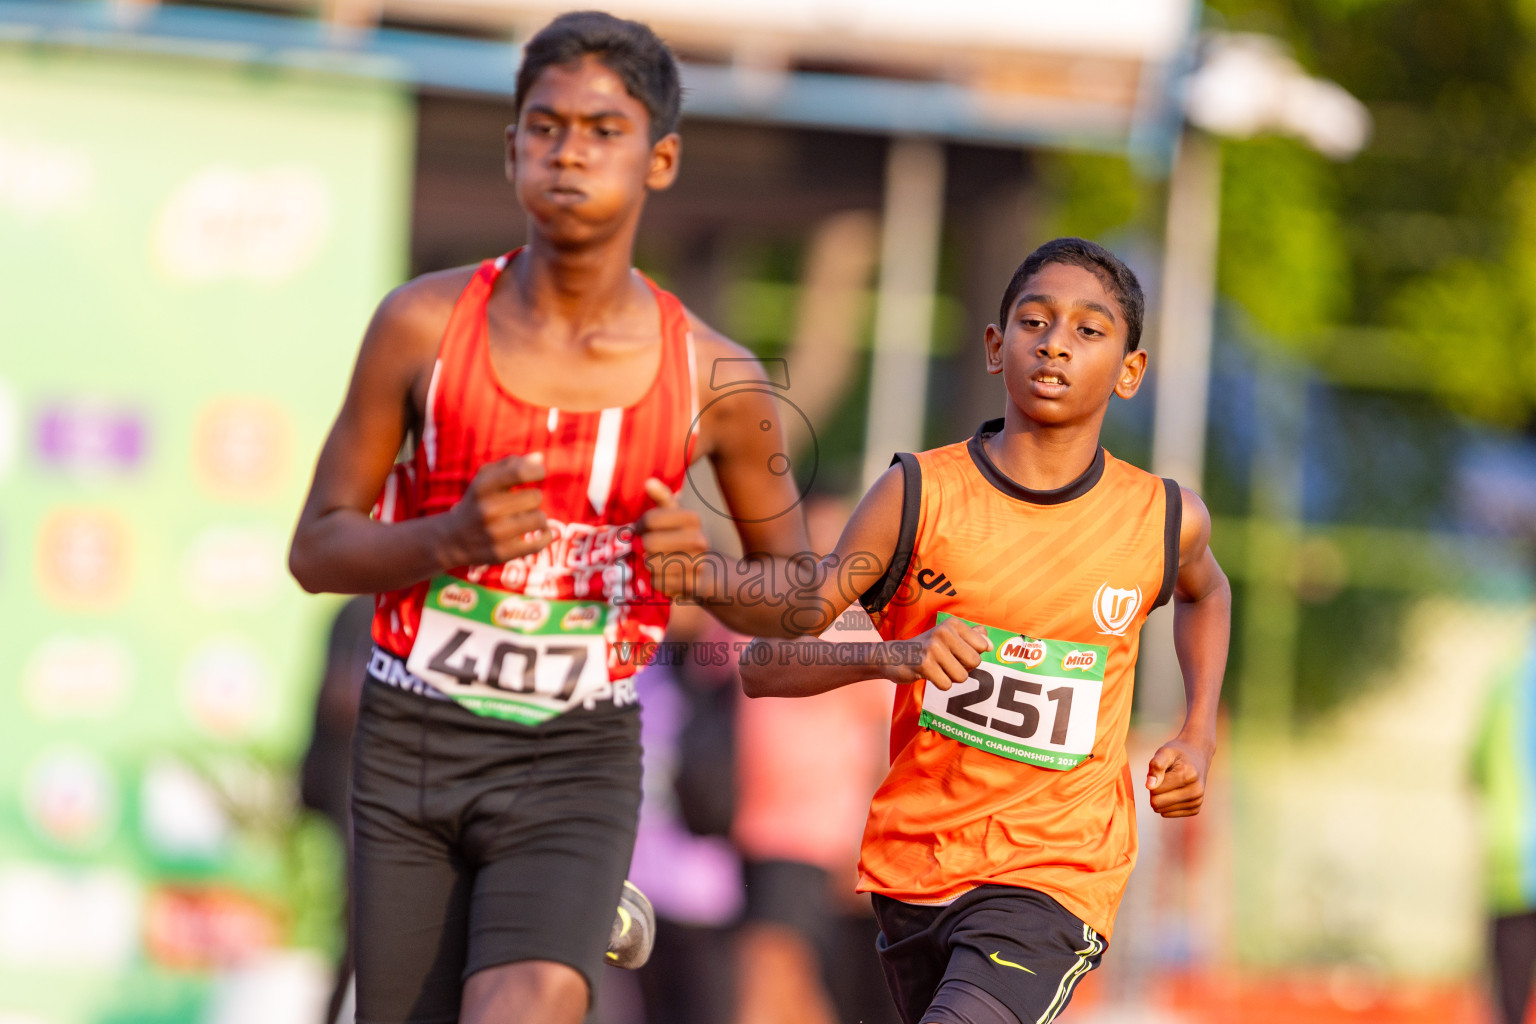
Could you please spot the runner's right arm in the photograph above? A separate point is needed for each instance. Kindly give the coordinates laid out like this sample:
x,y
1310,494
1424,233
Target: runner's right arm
x,y
337,547
805,666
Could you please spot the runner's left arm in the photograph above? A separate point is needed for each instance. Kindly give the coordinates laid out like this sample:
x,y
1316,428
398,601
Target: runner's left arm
x,y
742,434
807,665
1202,627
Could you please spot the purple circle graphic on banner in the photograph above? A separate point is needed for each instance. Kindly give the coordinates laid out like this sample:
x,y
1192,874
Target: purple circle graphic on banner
x,y
90,436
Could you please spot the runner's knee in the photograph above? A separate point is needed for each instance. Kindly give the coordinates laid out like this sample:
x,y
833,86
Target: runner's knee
x,y
524,993
960,1002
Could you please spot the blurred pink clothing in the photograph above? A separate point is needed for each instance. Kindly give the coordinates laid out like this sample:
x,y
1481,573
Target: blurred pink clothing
x,y
807,766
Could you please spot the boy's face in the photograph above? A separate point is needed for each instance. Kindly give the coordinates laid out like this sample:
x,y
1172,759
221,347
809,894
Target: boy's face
x,y
580,154
1062,351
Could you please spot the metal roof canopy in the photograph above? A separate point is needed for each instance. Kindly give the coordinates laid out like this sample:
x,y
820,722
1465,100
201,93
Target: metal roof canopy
x,y
949,110
1139,29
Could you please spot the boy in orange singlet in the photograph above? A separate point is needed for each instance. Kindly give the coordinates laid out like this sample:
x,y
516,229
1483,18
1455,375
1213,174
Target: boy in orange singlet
x,y
555,398
1011,576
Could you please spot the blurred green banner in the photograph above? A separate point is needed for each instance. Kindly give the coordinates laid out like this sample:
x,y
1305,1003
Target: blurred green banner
x,y
189,251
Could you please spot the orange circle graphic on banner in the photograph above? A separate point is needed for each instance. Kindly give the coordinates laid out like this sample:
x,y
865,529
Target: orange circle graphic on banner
x,y
240,447
82,558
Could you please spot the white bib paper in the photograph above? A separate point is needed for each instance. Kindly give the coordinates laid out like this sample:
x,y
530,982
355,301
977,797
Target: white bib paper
x,y
508,656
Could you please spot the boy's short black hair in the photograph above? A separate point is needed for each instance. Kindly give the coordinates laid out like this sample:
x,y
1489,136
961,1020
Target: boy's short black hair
x,y
1117,278
627,48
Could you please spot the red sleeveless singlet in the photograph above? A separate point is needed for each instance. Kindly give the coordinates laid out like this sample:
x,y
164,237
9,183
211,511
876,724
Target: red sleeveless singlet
x,y
596,466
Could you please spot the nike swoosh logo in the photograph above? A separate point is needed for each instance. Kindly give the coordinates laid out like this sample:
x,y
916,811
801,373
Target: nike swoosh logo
x,y
1008,963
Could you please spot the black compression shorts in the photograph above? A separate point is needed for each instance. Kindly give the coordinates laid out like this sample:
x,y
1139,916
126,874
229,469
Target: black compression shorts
x,y
480,842
1019,946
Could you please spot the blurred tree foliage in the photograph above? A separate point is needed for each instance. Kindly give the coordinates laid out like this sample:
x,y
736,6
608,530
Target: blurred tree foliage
x,y
1428,236
1431,231
1094,196
1404,274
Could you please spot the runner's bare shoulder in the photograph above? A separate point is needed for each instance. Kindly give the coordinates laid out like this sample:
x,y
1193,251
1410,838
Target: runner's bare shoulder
x,y
719,365
710,345
410,320
401,344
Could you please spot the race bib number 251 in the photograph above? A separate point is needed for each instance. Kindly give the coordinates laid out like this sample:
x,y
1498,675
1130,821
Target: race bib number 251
x,y
1030,700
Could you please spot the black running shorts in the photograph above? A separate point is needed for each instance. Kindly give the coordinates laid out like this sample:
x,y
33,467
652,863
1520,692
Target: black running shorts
x,y
1019,946
480,842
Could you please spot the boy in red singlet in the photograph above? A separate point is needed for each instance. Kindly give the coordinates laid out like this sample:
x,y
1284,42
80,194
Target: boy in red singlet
x,y
1013,573
554,399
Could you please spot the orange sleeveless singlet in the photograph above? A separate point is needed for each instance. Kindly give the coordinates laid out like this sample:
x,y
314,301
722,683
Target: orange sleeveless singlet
x,y
1080,567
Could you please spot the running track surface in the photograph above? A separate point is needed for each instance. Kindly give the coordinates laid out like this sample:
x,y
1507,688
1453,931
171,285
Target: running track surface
x,y
1323,997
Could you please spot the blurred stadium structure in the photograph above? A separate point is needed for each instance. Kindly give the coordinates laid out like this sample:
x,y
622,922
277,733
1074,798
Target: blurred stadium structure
x,y
199,202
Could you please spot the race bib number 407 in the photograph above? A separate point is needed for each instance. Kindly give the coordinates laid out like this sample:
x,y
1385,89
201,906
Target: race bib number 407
x,y
508,656
1030,700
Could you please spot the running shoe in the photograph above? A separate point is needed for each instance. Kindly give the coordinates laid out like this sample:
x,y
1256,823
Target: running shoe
x,y
634,930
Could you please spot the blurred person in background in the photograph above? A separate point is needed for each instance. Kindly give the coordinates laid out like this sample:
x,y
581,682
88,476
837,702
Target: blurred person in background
x,y
806,771
683,859
496,776
325,778
1504,772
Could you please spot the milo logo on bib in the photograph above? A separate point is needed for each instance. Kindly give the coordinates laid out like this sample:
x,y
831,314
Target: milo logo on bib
x,y
458,598
1032,700
582,617
1081,660
521,613
1022,651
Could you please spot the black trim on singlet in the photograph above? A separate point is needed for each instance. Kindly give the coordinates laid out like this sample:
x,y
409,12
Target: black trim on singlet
x,y
883,589
1173,523
997,478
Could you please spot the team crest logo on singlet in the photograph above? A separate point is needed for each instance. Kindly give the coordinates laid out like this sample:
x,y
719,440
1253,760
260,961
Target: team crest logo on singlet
x,y
1113,609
